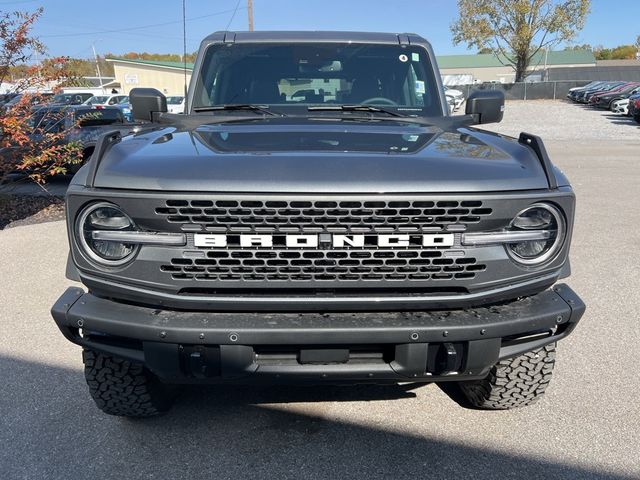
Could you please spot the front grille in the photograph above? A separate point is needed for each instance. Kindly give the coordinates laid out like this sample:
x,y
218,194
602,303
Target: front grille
x,y
280,265
354,216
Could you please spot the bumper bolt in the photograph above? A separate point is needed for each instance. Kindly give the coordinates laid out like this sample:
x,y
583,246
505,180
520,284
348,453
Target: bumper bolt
x,y
163,334
559,319
445,333
233,337
80,322
201,336
415,336
483,331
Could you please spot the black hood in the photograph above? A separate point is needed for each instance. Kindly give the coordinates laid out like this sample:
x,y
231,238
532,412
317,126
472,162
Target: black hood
x,y
320,155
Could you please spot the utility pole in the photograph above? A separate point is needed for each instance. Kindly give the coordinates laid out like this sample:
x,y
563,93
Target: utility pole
x,y
93,47
250,12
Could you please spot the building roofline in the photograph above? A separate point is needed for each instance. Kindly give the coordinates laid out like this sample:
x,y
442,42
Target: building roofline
x,y
153,63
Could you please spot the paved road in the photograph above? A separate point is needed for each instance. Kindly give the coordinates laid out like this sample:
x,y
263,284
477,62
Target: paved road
x,y
586,427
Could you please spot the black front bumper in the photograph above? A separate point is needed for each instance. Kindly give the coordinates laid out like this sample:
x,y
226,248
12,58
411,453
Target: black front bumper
x,y
197,347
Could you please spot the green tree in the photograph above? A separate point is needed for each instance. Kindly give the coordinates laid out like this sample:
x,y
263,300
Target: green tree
x,y
584,46
624,52
621,52
516,30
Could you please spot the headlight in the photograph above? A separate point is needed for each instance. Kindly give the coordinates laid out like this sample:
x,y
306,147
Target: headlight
x,y
105,217
539,217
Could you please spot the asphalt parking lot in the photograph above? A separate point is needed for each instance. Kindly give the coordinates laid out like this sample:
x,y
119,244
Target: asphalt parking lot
x,y
585,427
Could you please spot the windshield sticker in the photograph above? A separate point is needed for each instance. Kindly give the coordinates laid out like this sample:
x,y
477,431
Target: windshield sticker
x,y
410,138
415,57
403,58
420,87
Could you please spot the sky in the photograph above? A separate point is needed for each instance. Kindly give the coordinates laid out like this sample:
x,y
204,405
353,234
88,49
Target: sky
x,y
71,27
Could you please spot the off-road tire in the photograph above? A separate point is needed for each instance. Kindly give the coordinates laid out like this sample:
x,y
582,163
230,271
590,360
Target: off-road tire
x,y
514,382
124,388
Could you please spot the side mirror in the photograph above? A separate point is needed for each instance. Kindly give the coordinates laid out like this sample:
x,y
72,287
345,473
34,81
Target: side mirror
x,y
486,106
146,103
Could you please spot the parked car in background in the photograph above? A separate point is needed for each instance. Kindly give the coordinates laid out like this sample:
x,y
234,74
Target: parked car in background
x,y
634,109
575,90
456,96
6,97
70,98
620,106
577,94
36,99
175,104
104,100
585,96
632,98
80,123
604,99
125,107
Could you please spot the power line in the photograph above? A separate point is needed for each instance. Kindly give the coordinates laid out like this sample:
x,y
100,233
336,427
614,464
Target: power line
x,y
18,3
233,15
135,28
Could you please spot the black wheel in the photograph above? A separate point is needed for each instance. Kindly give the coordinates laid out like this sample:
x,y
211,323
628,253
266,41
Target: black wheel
x,y
514,382
124,388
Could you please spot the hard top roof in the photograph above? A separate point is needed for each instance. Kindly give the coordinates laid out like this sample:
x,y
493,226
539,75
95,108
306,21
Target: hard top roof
x,y
315,36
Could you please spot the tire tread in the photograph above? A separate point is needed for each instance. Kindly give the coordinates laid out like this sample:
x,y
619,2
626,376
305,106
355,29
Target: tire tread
x,y
124,388
514,382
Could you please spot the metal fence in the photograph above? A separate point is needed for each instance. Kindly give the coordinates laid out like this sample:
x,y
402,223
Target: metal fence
x,y
526,91
629,73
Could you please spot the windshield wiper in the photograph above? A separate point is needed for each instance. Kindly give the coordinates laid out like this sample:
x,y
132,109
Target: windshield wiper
x,y
237,106
354,108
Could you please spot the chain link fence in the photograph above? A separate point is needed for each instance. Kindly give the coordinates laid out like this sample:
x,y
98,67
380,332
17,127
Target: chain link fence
x,y
524,90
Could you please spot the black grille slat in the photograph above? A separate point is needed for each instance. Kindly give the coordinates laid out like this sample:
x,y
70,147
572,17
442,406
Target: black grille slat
x,y
323,266
277,216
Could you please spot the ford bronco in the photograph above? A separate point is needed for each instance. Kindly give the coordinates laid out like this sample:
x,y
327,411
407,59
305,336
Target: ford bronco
x,y
317,215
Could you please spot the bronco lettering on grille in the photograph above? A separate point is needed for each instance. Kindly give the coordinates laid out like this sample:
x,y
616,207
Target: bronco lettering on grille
x,y
313,241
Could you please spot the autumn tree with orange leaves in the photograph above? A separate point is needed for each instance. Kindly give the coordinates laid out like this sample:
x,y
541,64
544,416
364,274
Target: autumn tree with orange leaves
x,y
37,151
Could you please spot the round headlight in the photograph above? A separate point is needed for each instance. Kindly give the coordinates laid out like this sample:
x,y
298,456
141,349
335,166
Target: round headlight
x,y
104,217
540,217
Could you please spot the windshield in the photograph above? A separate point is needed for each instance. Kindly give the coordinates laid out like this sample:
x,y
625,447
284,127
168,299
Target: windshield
x,y
93,117
295,76
124,100
97,99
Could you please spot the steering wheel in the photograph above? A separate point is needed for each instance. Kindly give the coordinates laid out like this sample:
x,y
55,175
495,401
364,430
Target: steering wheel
x,y
378,100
